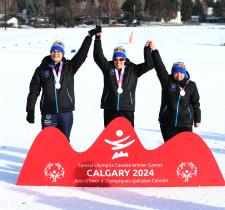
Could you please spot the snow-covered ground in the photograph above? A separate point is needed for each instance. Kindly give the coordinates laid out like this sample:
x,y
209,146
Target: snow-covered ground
x,y
199,47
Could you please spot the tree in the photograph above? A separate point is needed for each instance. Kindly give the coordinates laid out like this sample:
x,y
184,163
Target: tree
x,y
209,3
64,15
86,10
110,7
186,10
11,6
159,9
21,4
132,9
169,9
36,8
219,9
152,8
198,9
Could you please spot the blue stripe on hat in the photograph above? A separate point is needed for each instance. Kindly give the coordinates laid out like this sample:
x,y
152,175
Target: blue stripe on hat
x,y
119,54
178,69
57,48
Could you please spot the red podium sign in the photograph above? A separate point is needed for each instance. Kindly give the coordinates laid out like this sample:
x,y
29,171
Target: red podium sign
x,y
118,159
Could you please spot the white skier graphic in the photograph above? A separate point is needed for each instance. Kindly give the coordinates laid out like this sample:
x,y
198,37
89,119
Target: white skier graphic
x,y
54,171
119,145
186,171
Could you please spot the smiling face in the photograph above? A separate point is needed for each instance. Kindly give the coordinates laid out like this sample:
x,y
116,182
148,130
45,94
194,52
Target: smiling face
x,y
56,56
119,62
178,76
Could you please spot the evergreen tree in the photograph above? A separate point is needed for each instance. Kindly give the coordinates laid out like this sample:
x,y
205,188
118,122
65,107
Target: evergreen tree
x,y
152,8
209,3
169,9
64,15
219,9
198,9
159,9
36,8
186,10
223,9
21,4
132,9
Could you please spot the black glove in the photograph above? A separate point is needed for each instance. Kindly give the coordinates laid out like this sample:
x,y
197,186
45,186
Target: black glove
x,y
30,117
98,29
92,32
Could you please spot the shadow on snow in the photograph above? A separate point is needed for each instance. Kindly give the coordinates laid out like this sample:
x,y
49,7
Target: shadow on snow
x,y
10,171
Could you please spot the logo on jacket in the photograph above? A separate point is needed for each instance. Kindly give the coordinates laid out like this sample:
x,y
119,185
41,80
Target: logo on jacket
x,y
186,171
46,73
112,72
173,87
54,171
119,145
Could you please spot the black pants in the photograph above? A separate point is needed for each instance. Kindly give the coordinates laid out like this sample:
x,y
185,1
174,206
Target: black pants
x,y
169,132
62,121
109,115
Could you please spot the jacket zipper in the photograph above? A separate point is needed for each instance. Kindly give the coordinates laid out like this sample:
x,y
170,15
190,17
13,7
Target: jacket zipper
x,y
118,102
56,98
178,103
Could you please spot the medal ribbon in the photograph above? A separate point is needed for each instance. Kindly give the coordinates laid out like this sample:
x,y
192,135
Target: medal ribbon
x,y
57,78
119,79
183,89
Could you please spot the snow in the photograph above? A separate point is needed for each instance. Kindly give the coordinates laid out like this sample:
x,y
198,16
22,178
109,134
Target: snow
x,y
201,48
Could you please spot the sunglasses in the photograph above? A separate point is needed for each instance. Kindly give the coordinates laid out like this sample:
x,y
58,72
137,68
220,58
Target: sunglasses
x,y
118,59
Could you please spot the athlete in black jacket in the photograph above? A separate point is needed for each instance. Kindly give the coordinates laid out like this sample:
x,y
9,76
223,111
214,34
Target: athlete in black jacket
x,y
180,105
55,77
120,81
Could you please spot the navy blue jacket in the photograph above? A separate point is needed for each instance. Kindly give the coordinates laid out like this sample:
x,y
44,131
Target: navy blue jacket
x,y
176,110
111,100
56,100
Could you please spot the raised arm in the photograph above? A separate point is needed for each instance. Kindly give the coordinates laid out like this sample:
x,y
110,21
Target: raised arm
x,y
147,65
81,55
159,65
99,57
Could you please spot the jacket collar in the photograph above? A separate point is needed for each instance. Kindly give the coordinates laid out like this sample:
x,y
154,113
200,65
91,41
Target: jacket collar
x,y
46,61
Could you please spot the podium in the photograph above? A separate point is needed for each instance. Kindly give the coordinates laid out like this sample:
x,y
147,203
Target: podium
x,y
118,159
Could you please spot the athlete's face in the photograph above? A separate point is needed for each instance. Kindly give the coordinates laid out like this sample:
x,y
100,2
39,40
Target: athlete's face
x,y
56,56
178,76
119,62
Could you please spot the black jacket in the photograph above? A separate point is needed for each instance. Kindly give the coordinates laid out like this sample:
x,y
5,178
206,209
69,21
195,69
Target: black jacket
x,y
56,100
176,110
110,98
